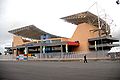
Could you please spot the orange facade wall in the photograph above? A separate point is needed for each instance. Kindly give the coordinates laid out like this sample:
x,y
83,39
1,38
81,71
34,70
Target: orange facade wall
x,y
17,40
82,34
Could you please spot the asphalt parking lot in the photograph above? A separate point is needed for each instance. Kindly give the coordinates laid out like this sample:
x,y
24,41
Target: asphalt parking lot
x,y
36,70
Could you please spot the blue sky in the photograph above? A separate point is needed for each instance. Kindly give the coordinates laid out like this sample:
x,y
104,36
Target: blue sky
x,y
46,14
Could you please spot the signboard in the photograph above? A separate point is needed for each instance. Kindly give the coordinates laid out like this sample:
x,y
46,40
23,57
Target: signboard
x,y
21,57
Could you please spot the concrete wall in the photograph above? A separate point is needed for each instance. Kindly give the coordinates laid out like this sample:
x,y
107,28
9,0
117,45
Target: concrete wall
x,y
17,40
82,34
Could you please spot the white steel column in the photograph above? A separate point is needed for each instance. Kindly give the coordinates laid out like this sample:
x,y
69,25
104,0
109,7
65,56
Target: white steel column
x,y
40,55
43,49
61,48
95,46
66,47
26,50
61,51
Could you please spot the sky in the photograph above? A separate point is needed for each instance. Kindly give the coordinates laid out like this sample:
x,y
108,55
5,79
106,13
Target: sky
x,y
46,14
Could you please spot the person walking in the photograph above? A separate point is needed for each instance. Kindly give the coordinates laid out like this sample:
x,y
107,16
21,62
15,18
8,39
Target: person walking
x,y
85,59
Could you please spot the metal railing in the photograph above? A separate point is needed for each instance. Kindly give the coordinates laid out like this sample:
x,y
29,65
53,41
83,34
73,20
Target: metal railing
x,y
67,56
7,57
77,55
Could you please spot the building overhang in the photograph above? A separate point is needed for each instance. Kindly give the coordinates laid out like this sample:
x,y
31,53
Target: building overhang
x,y
108,38
69,43
31,32
87,17
104,45
100,43
73,43
12,48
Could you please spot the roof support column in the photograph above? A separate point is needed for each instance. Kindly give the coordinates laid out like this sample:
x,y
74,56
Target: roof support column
x,y
17,55
61,48
95,46
16,52
26,53
43,49
40,55
61,51
66,47
26,50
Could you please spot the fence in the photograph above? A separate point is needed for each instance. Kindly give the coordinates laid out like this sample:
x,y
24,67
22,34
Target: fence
x,y
7,57
76,55
67,56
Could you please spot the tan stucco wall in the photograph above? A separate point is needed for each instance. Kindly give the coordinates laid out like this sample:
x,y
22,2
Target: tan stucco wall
x,y
17,40
82,34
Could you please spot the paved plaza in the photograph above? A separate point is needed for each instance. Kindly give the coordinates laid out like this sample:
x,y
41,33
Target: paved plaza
x,y
39,70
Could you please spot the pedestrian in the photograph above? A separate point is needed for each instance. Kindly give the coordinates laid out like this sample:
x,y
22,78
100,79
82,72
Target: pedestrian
x,y
85,59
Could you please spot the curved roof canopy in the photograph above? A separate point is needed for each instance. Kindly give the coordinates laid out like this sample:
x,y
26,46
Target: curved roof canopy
x,y
31,32
87,17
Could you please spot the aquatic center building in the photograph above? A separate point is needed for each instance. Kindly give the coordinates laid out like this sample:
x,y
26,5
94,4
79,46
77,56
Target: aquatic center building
x,y
92,34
